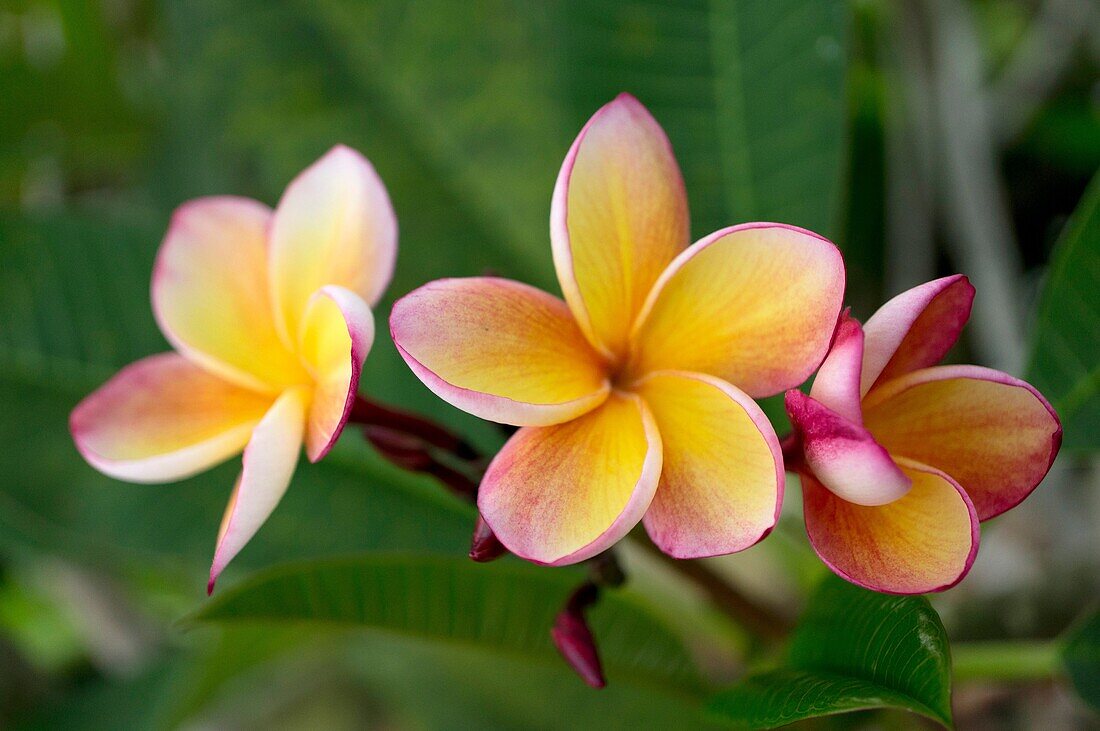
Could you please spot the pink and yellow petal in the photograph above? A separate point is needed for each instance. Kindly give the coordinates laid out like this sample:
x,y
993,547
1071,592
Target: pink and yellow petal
x,y
211,297
754,305
722,479
337,333
619,215
924,542
995,434
843,455
560,494
163,419
500,350
836,383
269,462
915,329
334,225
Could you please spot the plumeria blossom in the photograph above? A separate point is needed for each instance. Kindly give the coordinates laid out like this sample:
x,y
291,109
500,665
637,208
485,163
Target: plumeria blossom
x,y
900,458
635,393
269,314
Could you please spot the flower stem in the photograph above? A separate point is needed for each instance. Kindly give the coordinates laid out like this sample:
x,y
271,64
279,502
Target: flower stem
x,y
748,613
1006,660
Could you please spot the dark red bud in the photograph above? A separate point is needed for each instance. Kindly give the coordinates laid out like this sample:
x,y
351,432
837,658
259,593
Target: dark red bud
x,y
485,546
574,639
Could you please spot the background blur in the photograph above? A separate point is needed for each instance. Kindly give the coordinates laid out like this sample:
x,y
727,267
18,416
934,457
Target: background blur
x,y
924,137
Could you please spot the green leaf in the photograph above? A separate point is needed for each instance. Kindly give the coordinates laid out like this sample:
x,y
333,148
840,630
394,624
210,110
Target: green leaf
x,y
508,607
1065,353
853,649
1081,658
751,93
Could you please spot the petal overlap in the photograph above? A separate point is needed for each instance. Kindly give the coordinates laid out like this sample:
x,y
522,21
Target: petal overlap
x,y
211,297
836,383
163,418
995,434
560,494
843,455
334,225
924,542
722,476
337,333
619,215
500,350
754,305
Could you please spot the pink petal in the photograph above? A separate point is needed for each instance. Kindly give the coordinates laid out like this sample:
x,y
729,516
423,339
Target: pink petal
x,y
993,433
269,462
915,329
843,455
500,350
836,384
210,293
163,419
560,494
754,305
619,215
722,480
337,333
334,225
926,541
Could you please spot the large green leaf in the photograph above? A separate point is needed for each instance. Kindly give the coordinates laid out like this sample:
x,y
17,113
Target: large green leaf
x,y
853,649
255,676
1065,354
507,606
750,91
1081,658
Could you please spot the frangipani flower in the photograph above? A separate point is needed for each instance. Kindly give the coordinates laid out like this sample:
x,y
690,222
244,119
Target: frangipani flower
x,y
899,460
269,314
635,393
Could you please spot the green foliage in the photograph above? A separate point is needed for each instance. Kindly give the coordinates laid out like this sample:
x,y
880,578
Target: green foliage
x,y
1065,354
505,606
853,649
1081,658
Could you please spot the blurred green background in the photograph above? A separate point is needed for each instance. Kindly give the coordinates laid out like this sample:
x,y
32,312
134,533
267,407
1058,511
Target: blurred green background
x,y
924,137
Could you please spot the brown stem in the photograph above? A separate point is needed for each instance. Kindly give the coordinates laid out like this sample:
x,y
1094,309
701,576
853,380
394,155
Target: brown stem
x,y
746,612
372,413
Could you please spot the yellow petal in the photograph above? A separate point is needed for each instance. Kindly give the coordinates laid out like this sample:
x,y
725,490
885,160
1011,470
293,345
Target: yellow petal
x,y
619,216
924,541
268,464
995,434
498,349
560,494
333,225
722,479
162,419
337,332
211,297
754,305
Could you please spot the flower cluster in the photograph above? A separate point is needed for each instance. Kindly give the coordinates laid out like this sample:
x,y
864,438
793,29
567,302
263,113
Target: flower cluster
x,y
634,395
